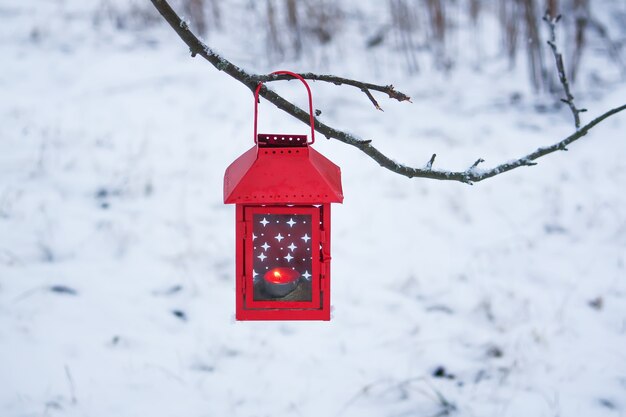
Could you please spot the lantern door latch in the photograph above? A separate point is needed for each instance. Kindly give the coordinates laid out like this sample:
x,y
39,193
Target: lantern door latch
x,y
325,253
325,259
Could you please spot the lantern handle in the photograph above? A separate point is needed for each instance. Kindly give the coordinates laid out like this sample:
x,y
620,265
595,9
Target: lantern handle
x,y
308,89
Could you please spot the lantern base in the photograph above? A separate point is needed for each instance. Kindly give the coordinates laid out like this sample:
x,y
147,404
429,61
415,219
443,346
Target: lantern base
x,y
283,314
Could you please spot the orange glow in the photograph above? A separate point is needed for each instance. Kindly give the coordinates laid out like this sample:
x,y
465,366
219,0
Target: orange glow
x,y
281,275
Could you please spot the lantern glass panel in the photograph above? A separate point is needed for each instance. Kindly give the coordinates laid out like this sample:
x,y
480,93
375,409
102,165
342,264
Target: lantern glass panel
x,y
282,256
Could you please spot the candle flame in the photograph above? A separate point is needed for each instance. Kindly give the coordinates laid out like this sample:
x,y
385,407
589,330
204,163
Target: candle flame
x,y
281,275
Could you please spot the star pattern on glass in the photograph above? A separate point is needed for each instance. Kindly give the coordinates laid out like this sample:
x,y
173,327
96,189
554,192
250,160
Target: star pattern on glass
x,y
284,241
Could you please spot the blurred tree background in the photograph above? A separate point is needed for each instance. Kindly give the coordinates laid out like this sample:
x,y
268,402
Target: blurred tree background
x,y
419,33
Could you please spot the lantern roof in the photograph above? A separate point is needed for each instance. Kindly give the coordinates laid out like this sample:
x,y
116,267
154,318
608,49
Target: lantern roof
x,y
282,169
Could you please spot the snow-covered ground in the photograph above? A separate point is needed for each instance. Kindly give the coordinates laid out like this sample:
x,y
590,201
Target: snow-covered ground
x,y
506,298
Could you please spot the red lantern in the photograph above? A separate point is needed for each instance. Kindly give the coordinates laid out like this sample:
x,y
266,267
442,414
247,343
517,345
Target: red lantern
x,y
282,189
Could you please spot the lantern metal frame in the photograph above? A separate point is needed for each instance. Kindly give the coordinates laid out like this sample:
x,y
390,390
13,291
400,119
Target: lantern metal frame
x,y
250,302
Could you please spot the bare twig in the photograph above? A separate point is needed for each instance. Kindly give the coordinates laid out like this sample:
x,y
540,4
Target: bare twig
x,y
475,164
365,87
558,58
470,175
430,163
372,99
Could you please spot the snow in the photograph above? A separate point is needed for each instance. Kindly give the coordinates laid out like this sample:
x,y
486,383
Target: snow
x,y
114,145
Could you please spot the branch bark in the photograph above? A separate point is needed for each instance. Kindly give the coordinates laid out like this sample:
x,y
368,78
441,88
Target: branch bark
x,y
560,68
470,175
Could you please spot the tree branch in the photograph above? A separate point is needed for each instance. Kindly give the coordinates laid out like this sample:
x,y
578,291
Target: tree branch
x,y
365,87
470,175
558,58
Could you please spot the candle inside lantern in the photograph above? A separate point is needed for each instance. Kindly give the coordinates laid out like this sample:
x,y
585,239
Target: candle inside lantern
x,y
279,282
281,275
